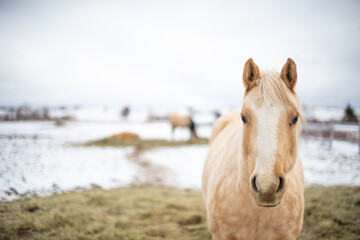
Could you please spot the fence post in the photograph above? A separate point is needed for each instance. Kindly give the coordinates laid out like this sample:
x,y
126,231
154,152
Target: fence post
x,y
331,138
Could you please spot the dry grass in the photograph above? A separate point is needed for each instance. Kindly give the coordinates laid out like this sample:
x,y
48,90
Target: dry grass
x,y
159,213
128,213
332,213
143,144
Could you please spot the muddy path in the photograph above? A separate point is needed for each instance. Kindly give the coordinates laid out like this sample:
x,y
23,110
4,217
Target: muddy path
x,y
150,174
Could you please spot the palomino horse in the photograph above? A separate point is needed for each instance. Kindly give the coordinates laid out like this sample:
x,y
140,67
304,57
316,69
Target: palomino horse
x,y
253,180
177,120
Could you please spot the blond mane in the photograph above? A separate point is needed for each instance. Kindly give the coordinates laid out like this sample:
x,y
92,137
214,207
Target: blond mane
x,y
274,90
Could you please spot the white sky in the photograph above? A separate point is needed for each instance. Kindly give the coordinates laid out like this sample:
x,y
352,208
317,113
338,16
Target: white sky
x,y
174,52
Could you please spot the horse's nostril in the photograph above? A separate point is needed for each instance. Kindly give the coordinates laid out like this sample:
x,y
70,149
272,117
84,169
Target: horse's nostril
x,y
281,185
253,185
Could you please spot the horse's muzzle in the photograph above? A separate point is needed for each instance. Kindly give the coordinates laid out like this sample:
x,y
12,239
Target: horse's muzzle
x,y
271,195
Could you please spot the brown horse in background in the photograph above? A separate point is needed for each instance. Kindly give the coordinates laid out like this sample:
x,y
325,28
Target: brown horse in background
x,y
253,178
184,121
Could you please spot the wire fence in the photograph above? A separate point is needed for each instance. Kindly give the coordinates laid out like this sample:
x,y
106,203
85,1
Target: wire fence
x,y
334,131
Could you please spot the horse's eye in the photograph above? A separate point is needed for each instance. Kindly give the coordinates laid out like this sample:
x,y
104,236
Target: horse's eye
x,y
294,120
244,119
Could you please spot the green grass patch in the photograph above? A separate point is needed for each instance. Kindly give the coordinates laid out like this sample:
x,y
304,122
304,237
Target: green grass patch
x,y
159,213
144,144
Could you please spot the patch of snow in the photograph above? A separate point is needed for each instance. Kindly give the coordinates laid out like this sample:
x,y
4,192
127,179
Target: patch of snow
x,y
185,164
40,166
338,166
37,157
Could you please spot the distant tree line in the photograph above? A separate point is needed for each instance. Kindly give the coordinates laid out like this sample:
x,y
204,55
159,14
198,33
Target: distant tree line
x,y
26,113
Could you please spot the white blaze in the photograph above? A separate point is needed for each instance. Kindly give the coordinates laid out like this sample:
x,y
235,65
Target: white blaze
x,y
267,127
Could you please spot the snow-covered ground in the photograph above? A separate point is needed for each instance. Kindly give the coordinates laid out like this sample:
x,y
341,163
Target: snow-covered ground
x,y
38,157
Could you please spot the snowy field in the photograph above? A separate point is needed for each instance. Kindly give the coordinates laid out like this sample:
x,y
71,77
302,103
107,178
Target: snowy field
x,y
38,157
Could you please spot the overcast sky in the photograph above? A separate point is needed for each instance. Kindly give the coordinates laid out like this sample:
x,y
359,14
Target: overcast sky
x,y
174,52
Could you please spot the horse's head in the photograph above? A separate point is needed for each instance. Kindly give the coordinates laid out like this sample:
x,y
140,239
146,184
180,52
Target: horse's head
x,y
271,115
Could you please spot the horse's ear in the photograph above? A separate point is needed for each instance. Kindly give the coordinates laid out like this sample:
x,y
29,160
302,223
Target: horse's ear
x,y
251,73
288,74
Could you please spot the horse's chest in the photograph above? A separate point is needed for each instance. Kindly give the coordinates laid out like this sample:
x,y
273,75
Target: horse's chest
x,y
244,221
